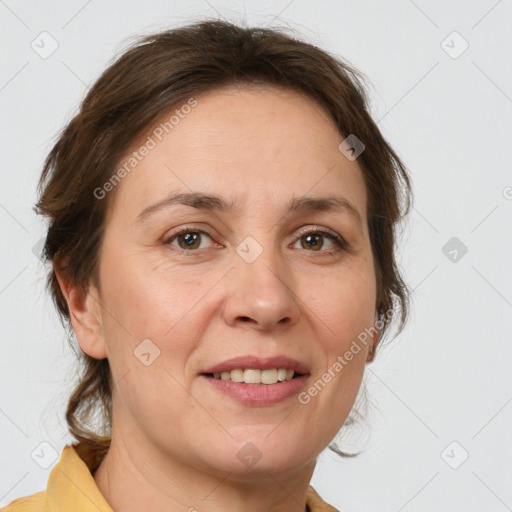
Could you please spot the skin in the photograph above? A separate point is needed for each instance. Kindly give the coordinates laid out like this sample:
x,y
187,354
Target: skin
x,y
174,437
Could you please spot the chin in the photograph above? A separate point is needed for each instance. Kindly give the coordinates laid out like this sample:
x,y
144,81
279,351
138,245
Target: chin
x,y
250,455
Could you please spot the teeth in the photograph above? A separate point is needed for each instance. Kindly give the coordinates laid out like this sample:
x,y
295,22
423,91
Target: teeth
x,y
269,376
236,375
252,376
281,374
255,376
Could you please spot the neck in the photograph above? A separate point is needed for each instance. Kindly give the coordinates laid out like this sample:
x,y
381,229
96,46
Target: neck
x,y
134,477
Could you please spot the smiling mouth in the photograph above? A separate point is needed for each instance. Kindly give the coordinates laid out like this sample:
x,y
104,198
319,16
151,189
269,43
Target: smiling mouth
x,y
256,376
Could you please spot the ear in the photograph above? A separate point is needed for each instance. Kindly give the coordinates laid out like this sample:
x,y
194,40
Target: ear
x,y
85,314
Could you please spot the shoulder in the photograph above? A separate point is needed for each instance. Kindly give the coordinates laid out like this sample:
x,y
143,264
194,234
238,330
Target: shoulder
x,y
34,503
316,504
70,486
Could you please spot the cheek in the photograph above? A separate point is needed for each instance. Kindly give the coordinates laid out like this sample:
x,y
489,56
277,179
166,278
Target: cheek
x,y
149,334
144,302
144,299
343,304
343,313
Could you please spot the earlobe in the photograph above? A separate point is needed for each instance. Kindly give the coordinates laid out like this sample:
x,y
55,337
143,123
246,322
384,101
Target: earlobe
x,y
375,338
85,315
371,352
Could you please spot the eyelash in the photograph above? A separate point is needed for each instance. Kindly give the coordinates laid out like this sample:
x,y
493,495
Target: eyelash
x,y
340,243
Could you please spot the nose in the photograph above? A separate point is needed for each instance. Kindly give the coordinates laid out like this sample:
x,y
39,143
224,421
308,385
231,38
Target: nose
x,y
260,294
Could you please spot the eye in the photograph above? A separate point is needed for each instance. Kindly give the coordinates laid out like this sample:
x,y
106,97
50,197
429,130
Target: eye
x,y
310,239
188,239
313,239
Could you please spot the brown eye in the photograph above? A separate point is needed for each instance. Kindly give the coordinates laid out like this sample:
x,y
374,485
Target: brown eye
x,y
188,240
314,242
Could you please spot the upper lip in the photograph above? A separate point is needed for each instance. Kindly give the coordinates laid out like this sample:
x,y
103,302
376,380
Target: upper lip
x,y
262,363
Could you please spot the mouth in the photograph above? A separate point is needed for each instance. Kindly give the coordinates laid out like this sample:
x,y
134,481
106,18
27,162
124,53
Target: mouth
x,y
257,381
258,370
256,375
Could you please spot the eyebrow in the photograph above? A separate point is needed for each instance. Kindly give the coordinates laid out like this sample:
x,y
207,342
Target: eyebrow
x,y
208,202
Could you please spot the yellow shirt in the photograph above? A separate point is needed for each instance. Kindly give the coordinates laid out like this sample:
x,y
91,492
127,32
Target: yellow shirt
x,y
71,488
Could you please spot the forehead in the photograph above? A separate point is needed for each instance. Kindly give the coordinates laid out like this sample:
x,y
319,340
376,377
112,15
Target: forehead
x,y
257,145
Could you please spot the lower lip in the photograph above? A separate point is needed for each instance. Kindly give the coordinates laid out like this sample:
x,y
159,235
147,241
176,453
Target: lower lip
x,y
259,394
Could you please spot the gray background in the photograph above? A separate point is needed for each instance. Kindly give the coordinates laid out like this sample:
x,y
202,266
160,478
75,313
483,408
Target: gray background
x,y
448,113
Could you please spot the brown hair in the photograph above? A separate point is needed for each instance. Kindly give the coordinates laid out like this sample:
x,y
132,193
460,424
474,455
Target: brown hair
x,y
153,75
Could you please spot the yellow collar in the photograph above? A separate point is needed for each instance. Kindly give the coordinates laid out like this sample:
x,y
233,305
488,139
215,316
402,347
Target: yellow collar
x,y
71,486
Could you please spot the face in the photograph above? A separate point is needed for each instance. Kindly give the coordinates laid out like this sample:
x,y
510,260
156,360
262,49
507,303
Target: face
x,y
186,287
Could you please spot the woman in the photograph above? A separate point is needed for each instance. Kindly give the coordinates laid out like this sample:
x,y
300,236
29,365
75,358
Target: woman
x,y
222,215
